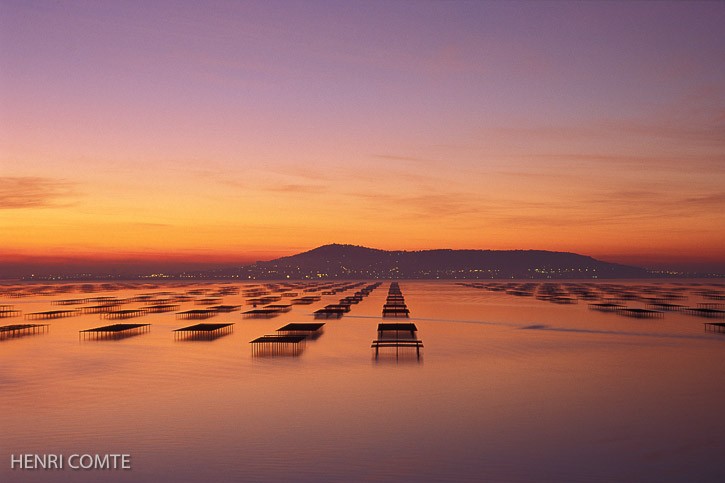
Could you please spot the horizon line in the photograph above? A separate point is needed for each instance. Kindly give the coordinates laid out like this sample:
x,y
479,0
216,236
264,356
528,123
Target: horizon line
x,y
138,263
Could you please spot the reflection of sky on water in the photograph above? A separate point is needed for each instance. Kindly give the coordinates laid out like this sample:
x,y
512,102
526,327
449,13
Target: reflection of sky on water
x,y
512,388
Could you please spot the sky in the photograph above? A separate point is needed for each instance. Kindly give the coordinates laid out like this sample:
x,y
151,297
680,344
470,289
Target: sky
x,y
227,132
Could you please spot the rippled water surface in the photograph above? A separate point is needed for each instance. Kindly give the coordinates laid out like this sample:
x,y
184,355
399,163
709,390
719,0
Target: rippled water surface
x,y
507,388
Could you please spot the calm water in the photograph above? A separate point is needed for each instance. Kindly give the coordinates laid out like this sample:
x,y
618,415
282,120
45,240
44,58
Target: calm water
x,y
508,388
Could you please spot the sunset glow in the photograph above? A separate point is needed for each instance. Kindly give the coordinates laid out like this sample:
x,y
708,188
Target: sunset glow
x,y
228,132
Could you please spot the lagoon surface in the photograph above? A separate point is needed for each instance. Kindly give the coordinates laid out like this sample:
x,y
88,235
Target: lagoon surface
x,y
507,388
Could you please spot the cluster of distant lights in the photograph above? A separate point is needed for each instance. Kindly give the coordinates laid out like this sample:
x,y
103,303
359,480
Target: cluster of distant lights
x,y
318,275
670,272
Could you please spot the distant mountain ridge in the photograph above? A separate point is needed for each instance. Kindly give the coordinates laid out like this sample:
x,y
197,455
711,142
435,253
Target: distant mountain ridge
x,y
352,261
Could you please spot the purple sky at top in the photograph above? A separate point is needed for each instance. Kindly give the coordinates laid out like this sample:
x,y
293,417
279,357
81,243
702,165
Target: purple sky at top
x,y
488,117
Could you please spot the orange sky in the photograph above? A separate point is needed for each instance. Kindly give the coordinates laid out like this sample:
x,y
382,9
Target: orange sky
x,y
245,132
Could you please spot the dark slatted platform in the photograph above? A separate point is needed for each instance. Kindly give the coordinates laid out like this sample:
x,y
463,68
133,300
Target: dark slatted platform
x,y
406,326
279,339
641,313
310,330
665,306
606,306
344,307
260,313
159,308
196,314
68,302
99,309
278,345
328,313
393,328
115,331
279,307
311,299
397,344
124,314
52,314
396,335
704,312
204,331
396,312
18,330
301,327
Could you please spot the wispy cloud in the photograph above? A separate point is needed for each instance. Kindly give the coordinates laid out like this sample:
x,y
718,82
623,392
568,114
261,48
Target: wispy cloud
x,y
428,204
685,131
634,208
647,210
707,200
634,159
297,188
35,192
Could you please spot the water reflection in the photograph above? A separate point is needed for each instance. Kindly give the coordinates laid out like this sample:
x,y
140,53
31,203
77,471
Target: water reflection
x,y
576,395
715,326
293,350
399,355
200,336
309,331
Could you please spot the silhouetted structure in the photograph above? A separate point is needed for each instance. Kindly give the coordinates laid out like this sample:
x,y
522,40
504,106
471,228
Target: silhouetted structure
x,y
159,308
665,306
68,302
18,330
329,313
397,344
99,309
345,308
310,330
355,262
196,314
204,331
124,314
395,303
393,330
115,331
260,313
606,306
52,314
640,313
305,300
8,311
282,308
398,336
278,345
703,310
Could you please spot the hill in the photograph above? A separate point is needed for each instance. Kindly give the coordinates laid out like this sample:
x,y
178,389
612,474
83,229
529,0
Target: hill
x,y
353,262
